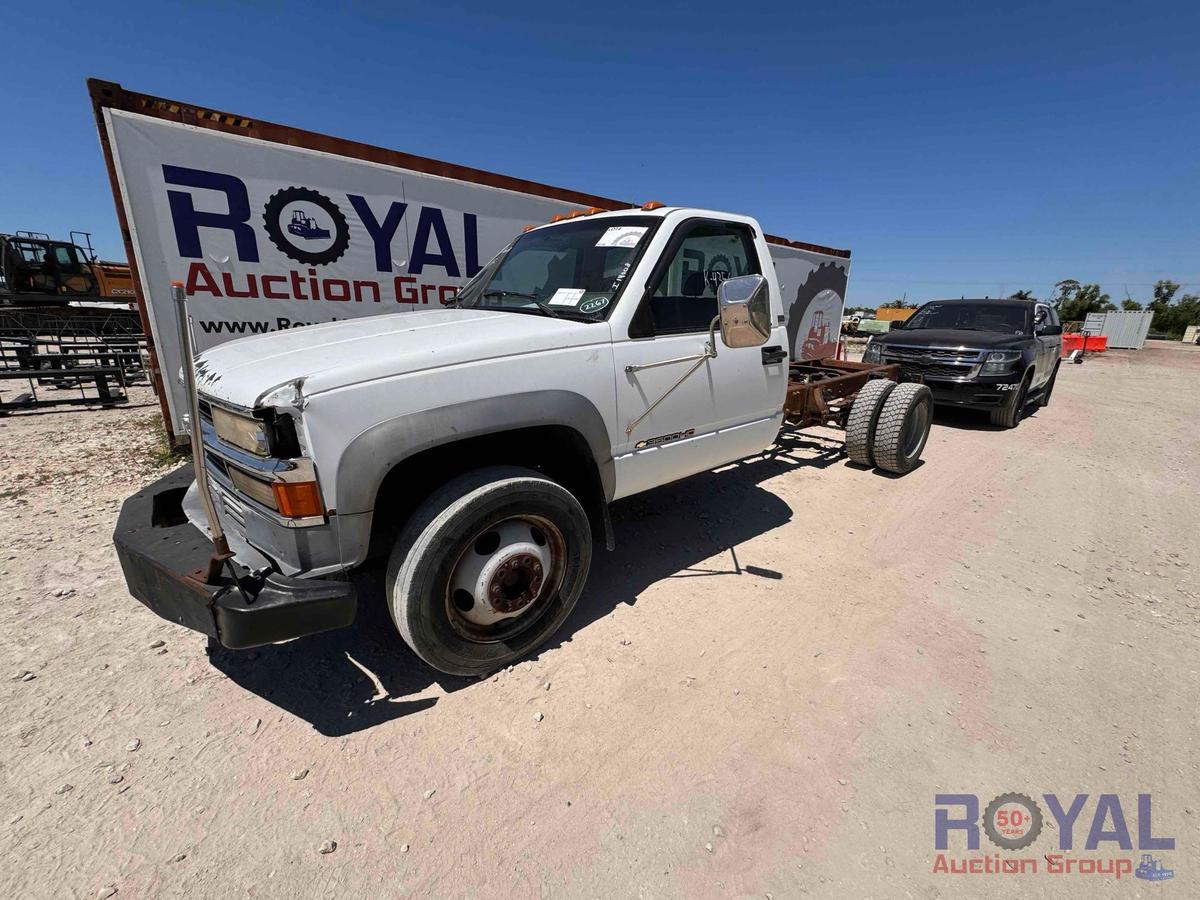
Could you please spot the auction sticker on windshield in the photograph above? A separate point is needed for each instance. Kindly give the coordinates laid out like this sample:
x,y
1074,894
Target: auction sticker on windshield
x,y
567,297
595,304
622,236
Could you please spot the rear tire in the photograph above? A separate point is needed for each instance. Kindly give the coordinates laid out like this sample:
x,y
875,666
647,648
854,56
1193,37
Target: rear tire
x,y
864,414
1008,414
500,532
903,428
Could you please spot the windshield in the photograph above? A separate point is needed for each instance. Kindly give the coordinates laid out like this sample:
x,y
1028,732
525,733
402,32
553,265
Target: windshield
x,y
971,317
575,269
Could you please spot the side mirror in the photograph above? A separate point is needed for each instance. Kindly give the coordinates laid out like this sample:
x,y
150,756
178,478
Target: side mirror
x,y
897,324
1047,329
744,310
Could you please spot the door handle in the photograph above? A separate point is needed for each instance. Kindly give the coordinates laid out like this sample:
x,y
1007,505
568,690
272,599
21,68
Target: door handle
x,y
772,355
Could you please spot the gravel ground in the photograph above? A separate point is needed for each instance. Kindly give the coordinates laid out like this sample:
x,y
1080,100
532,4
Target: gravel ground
x,y
760,693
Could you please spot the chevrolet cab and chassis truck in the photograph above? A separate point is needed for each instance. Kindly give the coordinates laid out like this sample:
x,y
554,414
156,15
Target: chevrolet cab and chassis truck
x,y
994,355
477,448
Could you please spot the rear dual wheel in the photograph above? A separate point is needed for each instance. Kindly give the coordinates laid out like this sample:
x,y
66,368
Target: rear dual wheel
x,y
903,428
889,424
488,568
863,418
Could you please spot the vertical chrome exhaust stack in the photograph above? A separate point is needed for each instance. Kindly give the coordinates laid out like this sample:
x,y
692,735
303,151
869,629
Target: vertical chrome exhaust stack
x,y
221,551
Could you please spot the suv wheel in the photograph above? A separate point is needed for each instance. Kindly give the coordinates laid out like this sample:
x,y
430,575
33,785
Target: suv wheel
x,y
488,568
1044,399
1008,414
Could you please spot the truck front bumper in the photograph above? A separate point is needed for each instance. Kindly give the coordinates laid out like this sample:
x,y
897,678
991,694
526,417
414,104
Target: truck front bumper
x,y
163,558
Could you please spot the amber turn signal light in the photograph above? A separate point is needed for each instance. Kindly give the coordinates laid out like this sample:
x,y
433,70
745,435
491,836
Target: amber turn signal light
x,y
298,499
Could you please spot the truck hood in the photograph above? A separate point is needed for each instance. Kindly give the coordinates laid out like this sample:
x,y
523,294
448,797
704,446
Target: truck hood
x,y
951,337
338,354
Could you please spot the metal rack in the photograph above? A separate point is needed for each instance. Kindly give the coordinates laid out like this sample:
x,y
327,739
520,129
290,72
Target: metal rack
x,y
69,355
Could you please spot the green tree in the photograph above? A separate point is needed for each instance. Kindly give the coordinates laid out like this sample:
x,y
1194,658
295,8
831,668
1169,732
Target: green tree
x,y
1171,318
1075,300
1164,293
1064,292
1022,295
1130,304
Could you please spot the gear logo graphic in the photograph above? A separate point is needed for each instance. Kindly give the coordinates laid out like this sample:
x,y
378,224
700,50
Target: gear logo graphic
x,y
1012,821
306,226
822,291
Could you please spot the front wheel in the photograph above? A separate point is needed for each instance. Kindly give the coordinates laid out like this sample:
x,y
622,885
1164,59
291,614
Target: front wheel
x,y
1044,399
1008,414
488,568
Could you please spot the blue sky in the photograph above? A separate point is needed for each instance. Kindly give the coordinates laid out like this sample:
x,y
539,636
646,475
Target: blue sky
x,y
954,148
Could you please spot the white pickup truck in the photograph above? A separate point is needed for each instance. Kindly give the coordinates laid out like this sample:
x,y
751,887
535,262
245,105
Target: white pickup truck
x,y
477,448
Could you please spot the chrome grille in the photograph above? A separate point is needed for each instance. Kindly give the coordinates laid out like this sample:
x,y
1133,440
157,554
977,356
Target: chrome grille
x,y
935,370
231,506
934,362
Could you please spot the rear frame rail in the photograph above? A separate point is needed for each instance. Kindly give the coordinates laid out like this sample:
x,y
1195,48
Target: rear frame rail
x,y
821,392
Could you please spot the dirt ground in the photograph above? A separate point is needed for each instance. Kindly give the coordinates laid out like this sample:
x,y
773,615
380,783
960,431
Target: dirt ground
x,y
759,695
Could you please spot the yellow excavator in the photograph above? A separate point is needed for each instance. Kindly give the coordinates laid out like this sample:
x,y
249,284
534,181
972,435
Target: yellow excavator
x,y
35,268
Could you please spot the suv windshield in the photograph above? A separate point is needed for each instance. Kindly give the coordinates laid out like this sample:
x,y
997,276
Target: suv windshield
x,y
971,317
575,269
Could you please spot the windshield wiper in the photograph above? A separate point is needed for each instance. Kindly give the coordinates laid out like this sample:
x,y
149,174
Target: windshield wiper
x,y
544,308
503,294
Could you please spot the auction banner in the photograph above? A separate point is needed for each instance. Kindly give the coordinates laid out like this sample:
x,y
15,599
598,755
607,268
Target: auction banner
x,y
271,228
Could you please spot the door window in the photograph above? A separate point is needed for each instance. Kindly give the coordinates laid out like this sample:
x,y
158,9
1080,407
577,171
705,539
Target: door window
x,y
66,261
684,298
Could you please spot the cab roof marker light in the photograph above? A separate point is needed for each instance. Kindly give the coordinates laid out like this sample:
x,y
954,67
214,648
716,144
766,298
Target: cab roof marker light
x,y
576,213
652,205
592,210
527,229
558,218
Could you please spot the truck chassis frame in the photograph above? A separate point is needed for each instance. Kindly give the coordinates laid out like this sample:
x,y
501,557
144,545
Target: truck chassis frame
x,y
821,392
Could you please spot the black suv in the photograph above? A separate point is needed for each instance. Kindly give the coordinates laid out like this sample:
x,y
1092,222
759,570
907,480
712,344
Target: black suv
x,y
998,355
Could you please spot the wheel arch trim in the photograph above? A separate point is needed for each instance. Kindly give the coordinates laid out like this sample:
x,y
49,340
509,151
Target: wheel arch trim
x,y
371,455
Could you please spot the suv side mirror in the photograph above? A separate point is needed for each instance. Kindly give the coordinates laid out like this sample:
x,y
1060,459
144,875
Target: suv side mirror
x,y
1047,330
744,310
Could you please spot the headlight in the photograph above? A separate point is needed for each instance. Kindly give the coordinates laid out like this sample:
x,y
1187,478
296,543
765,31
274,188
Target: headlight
x,y
873,353
253,487
245,432
999,362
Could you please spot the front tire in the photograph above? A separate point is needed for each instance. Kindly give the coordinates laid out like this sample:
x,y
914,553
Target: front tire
x,y
488,568
1008,414
1044,399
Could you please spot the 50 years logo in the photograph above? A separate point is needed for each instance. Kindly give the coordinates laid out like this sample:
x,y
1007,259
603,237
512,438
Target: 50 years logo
x,y
1013,821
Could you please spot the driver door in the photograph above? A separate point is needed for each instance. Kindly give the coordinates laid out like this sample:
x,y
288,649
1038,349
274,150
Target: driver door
x,y
1047,351
730,406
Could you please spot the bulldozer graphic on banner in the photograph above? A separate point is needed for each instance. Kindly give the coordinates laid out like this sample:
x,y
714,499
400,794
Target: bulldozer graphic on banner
x,y
306,227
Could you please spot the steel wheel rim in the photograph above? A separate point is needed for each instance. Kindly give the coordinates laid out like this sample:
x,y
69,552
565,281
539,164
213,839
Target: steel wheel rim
x,y
917,424
505,578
